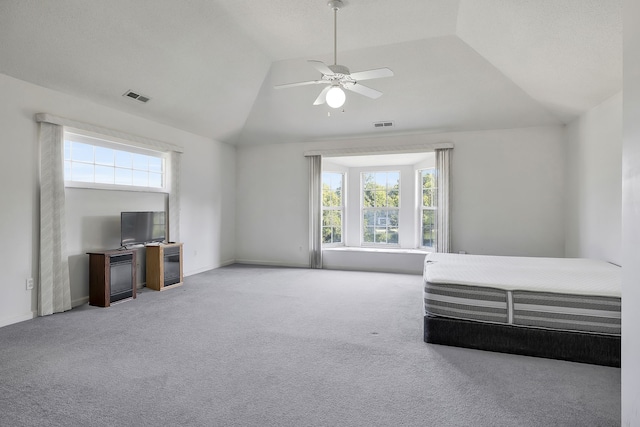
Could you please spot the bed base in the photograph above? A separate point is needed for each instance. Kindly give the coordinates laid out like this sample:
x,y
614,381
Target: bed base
x,y
572,346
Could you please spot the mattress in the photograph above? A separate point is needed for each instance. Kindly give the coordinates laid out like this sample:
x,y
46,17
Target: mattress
x,y
566,294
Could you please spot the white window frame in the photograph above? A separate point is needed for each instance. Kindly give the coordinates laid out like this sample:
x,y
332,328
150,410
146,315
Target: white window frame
x,y
386,208
340,208
422,208
119,145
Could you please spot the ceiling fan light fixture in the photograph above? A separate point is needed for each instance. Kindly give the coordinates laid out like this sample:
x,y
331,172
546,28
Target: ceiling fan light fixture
x,y
336,97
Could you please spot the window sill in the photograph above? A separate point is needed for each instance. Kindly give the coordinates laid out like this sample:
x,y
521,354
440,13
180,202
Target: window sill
x,y
377,250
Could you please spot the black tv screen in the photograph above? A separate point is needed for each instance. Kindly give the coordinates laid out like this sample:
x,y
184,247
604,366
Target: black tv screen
x,y
142,227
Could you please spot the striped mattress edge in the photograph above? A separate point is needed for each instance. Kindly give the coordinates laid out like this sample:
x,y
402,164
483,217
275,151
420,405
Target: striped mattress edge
x,y
545,310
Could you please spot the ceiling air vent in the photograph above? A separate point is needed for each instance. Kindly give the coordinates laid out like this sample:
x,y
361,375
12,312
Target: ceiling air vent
x,y
136,96
379,125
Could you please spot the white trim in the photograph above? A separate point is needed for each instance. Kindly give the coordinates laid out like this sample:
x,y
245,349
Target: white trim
x,y
130,139
360,151
205,269
17,319
377,249
80,301
114,187
271,263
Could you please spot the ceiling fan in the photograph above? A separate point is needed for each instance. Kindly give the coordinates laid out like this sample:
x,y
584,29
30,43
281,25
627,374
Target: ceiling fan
x,y
338,77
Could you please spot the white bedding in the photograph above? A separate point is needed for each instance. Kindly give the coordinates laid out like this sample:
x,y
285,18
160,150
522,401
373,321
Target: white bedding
x,y
558,275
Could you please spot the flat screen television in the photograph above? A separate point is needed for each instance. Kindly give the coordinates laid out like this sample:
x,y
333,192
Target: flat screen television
x,y
142,227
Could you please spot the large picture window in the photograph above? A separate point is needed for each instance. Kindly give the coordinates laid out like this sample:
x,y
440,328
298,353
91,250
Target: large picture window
x,y
428,207
99,162
332,207
380,207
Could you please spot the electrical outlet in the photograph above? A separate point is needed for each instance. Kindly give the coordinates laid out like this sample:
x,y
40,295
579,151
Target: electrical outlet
x,y
29,283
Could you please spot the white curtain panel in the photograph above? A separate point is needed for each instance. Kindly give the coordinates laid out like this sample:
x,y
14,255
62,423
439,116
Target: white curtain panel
x,y
315,211
54,291
174,196
443,237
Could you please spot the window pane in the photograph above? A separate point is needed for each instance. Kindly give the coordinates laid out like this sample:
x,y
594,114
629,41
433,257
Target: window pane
x,y
368,181
393,198
393,218
140,178
368,234
326,235
104,156
140,162
369,218
155,180
67,150
381,218
381,235
81,152
393,179
155,164
393,236
428,228
326,219
369,199
337,235
381,179
124,176
332,203
104,174
124,159
81,172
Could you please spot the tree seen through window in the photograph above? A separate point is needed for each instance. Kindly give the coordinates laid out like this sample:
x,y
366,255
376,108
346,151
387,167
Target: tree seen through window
x,y
332,207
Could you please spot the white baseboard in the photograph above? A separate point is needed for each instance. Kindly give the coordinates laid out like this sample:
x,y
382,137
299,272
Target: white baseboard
x,y
271,263
79,301
209,268
17,319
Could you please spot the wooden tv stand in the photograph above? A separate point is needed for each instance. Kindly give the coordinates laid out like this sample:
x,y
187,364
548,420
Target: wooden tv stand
x,y
164,266
112,276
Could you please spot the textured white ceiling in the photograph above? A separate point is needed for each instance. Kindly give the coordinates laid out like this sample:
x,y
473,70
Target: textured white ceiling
x,y
566,54
210,65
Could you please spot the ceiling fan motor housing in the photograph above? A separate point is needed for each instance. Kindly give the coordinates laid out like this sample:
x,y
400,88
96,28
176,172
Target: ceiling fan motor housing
x,y
339,69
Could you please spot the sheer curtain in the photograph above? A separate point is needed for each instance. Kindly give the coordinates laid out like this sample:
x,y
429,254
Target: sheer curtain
x,y
443,162
315,211
54,291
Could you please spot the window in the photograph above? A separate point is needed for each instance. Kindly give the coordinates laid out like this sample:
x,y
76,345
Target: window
x,y
103,163
428,207
332,207
380,207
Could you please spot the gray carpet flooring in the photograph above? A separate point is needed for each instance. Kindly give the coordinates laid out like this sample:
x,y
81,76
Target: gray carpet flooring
x,y
255,346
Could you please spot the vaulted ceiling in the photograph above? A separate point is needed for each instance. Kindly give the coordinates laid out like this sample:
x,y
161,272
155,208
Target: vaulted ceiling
x,y
210,66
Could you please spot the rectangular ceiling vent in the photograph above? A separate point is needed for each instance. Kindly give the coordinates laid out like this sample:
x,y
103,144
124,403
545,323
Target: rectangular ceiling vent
x,y
380,125
136,96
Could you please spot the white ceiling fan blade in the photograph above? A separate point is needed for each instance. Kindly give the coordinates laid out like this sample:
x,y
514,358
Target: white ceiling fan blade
x,y
372,74
322,98
322,67
362,90
310,82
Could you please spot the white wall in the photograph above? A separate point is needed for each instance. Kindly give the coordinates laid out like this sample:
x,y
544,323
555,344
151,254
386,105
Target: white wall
x,y
207,187
631,219
593,175
507,194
